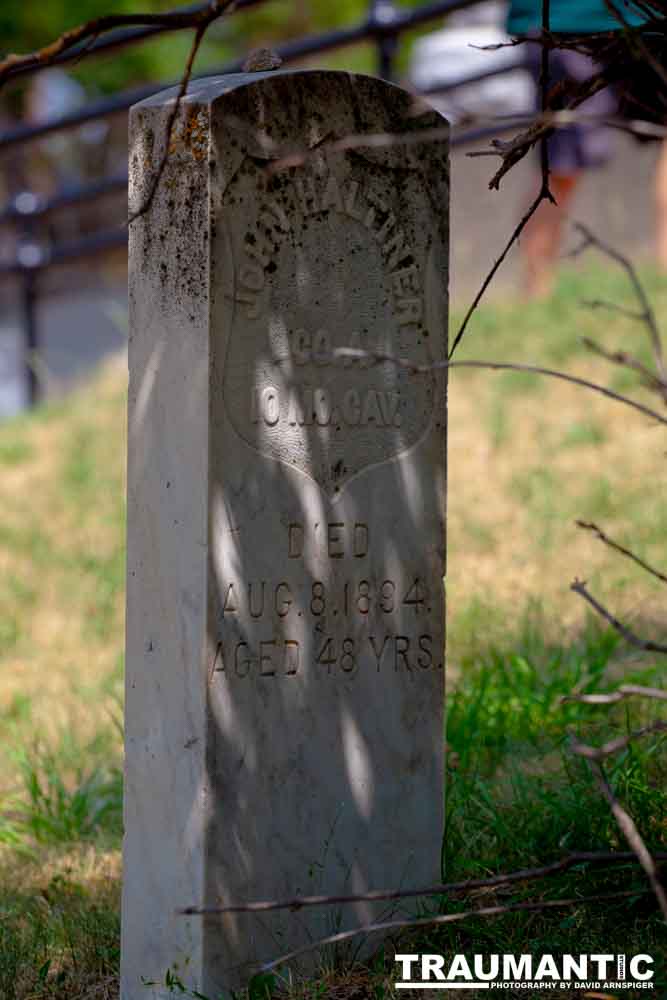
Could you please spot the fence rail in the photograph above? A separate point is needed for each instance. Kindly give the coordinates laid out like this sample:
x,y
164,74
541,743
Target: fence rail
x,y
383,25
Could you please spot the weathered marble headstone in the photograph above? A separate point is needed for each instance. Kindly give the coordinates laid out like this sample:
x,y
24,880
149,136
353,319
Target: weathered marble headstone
x,y
286,508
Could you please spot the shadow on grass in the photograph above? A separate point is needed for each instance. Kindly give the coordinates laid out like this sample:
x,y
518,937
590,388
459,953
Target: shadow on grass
x,y
516,797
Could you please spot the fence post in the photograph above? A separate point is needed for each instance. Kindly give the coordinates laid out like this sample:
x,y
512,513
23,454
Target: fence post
x,y
30,334
381,14
30,257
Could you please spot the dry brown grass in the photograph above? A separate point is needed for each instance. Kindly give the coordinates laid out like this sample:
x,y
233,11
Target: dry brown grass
x,y
512,505
526,458
61,551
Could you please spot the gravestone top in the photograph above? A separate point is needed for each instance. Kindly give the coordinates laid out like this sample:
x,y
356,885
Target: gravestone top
x,y
285,511
359,276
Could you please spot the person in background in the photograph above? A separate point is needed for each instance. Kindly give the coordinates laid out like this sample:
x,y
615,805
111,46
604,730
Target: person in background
x,y
574,148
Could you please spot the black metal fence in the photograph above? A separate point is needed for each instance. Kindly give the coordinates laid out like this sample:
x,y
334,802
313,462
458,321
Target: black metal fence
x,y
29,213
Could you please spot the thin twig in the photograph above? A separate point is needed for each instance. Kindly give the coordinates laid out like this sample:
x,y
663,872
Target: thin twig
x,y
626,360
544,101
579,587
515,150
448,918
610,51
620,743
647,314
557,119
503,366
591,526
298,157
636,37
362,140
173,114
620,694
492,273
612,307
100,25
631,833
380,895
544,193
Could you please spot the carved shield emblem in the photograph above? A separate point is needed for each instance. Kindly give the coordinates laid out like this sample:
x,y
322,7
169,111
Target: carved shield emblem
x,y
326,259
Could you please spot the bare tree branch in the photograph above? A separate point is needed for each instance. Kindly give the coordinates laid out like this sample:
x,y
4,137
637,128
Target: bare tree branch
x,y
91,30
173,115
620,694
448,918
579,587
88,33
591,526
556,119
544,101
492,273
363,140
544,193
635,36
620,743
457,136
516,149
503,366
602,858
612,307
610,50
646,315
626,360
630,832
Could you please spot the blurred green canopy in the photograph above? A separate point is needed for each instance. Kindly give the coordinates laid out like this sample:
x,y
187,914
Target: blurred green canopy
x,y
25,26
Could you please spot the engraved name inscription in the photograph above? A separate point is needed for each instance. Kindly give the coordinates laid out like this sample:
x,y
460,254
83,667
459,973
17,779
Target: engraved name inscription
x,y
319,195
328,259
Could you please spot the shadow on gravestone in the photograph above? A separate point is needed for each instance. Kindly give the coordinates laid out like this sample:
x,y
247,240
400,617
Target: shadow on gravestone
x,y
285,637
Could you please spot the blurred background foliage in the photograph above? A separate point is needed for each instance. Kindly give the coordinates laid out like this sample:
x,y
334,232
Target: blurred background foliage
x,y
27,26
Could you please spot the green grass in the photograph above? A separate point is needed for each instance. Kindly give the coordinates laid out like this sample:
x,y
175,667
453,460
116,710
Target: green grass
x,y
517,797
510,731
582,434
527,458
526,332
15,452
516,794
